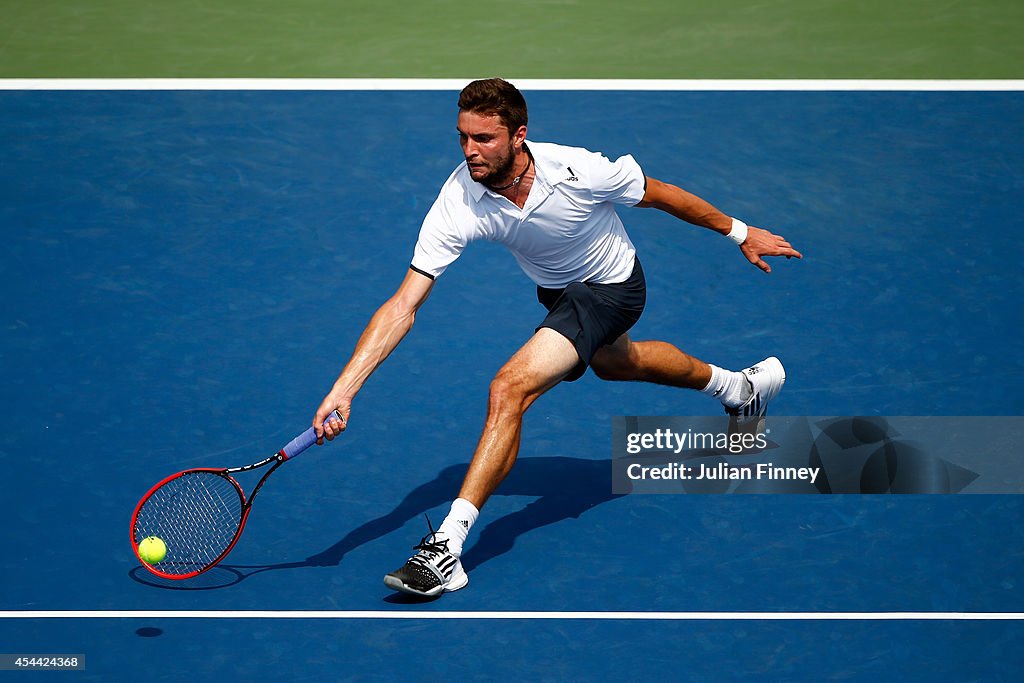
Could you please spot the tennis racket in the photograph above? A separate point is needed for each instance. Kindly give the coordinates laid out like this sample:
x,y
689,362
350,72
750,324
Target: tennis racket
x,y
200,513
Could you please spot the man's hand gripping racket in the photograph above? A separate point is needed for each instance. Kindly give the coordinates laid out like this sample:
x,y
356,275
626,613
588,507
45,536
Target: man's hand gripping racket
x,y
200,513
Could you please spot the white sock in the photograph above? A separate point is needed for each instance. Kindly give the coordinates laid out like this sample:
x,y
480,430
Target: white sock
x,y
731,388
457,524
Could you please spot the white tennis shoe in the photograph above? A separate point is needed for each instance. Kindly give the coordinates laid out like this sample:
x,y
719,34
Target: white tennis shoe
x,y
766,380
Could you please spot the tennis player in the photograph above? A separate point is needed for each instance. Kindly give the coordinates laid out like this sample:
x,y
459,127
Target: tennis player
x,y
554,208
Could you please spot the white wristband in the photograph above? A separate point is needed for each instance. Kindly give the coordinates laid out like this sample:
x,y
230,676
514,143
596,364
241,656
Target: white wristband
x,y
739,231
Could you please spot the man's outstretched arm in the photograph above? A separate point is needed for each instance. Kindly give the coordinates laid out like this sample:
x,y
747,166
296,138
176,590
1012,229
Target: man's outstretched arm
x,y
386,329
692,209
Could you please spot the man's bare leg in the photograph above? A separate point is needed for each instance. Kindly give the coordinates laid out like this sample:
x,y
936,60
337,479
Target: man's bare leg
x,y
744,394
650,361
539,365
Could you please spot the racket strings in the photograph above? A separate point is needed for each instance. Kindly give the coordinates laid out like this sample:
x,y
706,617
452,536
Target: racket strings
x,y
197,515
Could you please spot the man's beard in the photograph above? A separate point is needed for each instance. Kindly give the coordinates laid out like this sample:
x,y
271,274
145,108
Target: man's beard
x,y
503,170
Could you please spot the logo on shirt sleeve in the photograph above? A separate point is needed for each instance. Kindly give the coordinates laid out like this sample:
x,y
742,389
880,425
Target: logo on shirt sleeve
x,y
572,176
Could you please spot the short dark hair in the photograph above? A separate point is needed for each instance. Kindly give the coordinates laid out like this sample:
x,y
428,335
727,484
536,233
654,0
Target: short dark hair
x,y
495,97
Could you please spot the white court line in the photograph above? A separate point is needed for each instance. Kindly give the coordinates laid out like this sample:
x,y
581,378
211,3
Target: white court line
x,y
587,616
525,84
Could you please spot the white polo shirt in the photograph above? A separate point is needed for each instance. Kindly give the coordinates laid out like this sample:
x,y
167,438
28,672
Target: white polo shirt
x,y
567,231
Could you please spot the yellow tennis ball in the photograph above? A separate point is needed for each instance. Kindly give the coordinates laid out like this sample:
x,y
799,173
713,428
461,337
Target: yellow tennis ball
x,y
152,549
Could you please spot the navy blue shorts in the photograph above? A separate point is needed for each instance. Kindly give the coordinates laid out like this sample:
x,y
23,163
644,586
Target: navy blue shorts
x,y
592,315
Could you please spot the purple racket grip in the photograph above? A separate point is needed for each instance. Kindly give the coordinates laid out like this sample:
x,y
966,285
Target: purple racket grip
x,y
306,438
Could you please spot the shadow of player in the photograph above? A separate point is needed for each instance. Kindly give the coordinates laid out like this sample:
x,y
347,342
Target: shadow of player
x,y
565,488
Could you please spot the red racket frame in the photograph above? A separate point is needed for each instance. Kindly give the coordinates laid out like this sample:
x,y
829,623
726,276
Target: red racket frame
x,y
246,507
